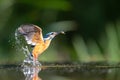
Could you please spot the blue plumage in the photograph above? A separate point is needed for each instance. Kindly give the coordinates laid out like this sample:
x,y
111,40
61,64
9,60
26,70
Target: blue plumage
x,y
49,36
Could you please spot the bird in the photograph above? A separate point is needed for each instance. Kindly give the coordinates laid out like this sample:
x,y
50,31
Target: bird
x,y
34,37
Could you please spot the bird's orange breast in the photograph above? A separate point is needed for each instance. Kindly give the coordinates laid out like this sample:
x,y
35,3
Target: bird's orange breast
x,y
40,48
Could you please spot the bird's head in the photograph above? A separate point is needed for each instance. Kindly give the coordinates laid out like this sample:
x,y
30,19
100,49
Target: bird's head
x,y
51,35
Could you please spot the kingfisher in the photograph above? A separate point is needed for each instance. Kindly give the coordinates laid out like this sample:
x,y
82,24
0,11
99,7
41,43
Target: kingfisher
x,y
34,37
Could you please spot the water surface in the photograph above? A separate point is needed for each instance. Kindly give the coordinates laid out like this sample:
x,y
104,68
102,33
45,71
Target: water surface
x,y
61,71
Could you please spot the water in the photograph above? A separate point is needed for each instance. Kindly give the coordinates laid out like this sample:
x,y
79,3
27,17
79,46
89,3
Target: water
x,y
61,71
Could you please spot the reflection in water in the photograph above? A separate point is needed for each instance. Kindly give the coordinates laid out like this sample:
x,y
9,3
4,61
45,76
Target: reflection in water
x,y
31,72
64,71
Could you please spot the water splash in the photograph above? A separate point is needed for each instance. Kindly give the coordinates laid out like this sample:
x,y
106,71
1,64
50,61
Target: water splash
x,y
22,46
31,73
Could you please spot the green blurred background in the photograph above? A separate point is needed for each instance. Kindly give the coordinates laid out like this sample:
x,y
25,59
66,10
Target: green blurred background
x,y
92,29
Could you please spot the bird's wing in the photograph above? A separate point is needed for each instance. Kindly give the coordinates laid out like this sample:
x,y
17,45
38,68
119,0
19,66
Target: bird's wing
x,y
32,33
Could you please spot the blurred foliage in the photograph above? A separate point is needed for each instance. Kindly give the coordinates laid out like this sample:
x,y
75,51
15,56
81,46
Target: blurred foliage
x,y
92,28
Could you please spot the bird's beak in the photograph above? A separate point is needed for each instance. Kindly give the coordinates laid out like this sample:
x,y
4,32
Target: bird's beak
x,y
61,32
